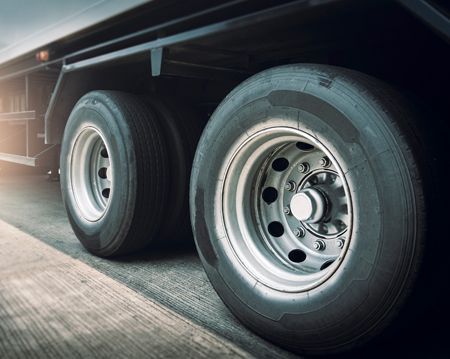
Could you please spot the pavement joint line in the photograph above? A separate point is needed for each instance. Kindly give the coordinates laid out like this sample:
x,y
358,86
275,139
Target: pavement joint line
x,y
53,305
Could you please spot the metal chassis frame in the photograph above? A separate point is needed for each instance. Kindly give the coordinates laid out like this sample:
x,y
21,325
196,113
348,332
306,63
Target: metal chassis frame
x,y
155,48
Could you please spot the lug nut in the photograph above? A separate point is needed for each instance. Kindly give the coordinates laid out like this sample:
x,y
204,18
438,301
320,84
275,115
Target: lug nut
x,y
303,167
290,186
324,162
299,232
287,210
340,243
319,245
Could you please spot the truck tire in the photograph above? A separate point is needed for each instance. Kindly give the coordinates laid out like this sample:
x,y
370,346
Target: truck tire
x,y
307,205
114,169
182,129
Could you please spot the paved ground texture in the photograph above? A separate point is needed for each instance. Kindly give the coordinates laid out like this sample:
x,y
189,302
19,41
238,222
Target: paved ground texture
x,y
57,300
58,306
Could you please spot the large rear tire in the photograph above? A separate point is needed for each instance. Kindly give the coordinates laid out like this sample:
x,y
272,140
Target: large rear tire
x,y
307,206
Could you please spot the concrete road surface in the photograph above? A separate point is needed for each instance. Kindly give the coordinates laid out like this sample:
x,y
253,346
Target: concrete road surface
x,y
57,300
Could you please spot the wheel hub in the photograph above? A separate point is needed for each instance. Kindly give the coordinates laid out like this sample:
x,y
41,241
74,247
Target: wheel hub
x,y
330,216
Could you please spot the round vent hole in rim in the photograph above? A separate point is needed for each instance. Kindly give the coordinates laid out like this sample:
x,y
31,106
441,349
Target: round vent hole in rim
x,y
303,146
297,256
280,164
106,192
326,265
269,195
102,172
276,229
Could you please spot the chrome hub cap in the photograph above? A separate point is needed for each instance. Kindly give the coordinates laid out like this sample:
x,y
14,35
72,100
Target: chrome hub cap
x,y
308,205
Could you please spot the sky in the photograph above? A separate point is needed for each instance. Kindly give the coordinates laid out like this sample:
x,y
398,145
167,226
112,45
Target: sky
x,y
21,18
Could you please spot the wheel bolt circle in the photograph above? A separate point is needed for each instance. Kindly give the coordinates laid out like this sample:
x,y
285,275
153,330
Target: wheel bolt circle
x,y
340,243
287,210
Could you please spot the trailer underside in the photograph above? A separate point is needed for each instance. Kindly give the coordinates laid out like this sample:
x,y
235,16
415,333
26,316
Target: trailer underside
x,y
202,55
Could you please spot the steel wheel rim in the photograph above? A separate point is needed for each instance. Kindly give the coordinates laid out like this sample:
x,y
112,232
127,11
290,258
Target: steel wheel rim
x,y
91,174
276,255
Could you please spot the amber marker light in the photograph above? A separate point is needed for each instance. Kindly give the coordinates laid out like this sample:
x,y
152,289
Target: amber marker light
x,y
43,56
